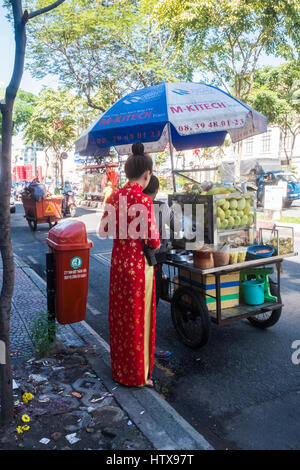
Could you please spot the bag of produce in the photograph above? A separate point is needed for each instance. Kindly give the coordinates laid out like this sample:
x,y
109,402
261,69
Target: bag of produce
x,y
38,191
203,258
221,255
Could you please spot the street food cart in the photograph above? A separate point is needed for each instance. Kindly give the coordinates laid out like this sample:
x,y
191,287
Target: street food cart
x,y
232,282
48,210
96,178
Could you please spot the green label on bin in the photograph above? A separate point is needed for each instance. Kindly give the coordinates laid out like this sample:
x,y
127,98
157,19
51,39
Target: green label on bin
x,y
76,262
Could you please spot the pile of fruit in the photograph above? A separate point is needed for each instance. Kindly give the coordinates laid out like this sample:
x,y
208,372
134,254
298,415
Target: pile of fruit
x,y
210,189
234,212
285,245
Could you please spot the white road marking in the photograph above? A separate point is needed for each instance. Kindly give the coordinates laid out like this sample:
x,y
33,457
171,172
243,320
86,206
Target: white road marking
x,y
93,310
31,258
99,257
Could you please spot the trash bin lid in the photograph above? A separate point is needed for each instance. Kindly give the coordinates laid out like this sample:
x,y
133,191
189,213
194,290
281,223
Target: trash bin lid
x,y
68,235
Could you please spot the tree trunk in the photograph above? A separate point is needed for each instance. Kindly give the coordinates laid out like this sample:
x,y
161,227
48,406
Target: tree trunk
x,y
292,151
47,164
280,144
8,266
237,161
5,236
288,152
46,170
61,171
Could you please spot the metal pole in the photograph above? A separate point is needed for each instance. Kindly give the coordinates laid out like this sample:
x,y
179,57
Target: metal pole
x,y
218,298
51,291
119,170
35,160
278,266
172,158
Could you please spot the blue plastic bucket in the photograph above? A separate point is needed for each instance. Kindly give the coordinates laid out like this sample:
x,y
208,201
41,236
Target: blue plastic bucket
x,y
254,292
254,251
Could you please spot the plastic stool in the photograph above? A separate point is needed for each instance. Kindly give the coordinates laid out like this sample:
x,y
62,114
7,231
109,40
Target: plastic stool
x,y
261,274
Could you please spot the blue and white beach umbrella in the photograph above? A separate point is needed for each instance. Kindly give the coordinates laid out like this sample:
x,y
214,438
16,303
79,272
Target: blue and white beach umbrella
x,y
186,115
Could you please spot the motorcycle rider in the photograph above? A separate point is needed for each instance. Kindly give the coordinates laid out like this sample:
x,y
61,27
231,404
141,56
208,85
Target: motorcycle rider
x,y
66,189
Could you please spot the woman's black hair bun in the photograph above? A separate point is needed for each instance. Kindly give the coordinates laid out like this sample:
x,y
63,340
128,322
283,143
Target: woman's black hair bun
x,y
137,148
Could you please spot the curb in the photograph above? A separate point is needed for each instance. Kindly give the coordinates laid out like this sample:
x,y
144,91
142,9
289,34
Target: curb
x,y
157,420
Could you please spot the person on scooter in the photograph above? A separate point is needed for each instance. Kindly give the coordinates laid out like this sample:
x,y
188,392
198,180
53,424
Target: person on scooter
x,y
67,187
65,191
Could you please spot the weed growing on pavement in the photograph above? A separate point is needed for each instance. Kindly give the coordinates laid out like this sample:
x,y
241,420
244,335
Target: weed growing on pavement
x,y
42,333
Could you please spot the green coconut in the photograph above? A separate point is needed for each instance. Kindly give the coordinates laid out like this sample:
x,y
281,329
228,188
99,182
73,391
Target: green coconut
x,y
225,205
220,213
224,224
233,204
241,204
237,221
250,219
245,220
230,222
220,202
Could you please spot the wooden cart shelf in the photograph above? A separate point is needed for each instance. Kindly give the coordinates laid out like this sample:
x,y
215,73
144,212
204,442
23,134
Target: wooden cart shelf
x,y
231,267
243,311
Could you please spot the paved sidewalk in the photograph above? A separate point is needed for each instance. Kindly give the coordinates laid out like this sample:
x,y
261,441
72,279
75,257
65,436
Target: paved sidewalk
x,y
265,223
76,404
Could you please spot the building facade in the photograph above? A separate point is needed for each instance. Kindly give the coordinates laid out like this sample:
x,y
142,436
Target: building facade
x,y
23,154
270,145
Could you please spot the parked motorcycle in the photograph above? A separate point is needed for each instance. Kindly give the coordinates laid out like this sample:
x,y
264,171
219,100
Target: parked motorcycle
x,y
69,204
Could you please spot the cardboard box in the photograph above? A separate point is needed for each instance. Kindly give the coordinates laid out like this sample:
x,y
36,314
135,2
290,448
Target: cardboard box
x,y
229,283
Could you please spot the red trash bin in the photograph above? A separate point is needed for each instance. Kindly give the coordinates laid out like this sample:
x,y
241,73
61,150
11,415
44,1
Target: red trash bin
x,y
68,240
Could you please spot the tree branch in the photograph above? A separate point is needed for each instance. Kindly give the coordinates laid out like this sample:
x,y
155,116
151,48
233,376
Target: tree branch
x,y
20,42
45,9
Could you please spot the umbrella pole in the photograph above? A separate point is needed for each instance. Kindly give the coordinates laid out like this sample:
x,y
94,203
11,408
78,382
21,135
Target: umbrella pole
x,y
172,157
119,170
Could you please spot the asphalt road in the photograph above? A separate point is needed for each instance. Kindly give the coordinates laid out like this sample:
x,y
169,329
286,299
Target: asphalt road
x,y
240,391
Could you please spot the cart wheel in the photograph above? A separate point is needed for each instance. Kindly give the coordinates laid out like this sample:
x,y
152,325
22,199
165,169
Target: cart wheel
x,y
267,319
190,317
32,224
